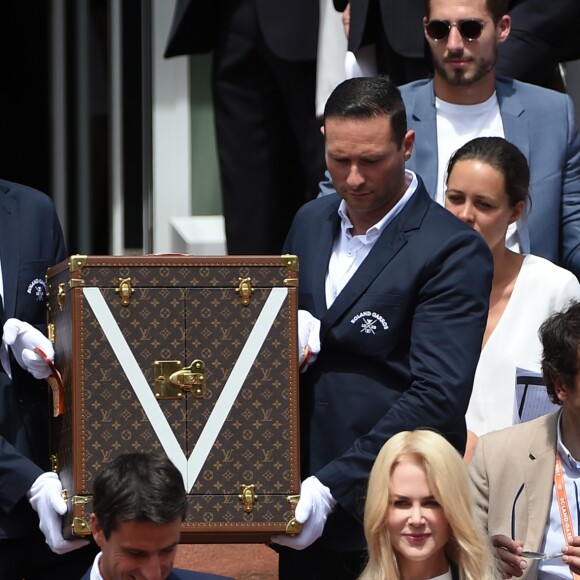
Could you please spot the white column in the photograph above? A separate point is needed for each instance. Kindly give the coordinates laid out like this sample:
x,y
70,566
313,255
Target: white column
x,y
171,131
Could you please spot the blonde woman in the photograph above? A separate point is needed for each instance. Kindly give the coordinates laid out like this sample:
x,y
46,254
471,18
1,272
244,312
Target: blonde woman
x,y
419,521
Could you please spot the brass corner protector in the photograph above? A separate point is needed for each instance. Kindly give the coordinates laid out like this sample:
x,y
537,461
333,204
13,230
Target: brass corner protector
x,y
80,527
76,262
291,261
293,527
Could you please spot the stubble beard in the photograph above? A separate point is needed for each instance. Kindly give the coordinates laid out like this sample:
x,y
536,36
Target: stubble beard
x,y
460,77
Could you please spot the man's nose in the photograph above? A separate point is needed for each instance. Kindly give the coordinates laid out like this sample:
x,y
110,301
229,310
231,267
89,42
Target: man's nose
x,y
355,178
455,40
152,569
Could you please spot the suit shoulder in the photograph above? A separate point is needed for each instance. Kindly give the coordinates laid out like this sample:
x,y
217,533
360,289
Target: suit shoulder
x,y
409,90
442,236
23,193
530,93
319,206
521,433
415,85
443,218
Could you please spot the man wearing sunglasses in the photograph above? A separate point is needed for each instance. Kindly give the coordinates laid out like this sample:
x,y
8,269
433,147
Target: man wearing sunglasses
x,y
465,99
526,478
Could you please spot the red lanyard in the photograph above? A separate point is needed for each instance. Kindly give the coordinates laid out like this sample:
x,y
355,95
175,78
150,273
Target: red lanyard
x,y
562,497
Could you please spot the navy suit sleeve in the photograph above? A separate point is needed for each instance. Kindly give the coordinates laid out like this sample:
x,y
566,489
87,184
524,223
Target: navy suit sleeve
x,y
17,474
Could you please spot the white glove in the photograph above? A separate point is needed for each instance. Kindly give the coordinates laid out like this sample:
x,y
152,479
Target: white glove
x,y
45,496
22,338
308,339
315,503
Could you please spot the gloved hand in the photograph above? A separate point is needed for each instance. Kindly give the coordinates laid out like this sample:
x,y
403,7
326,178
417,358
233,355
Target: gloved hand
x,y
308,339
46,499
315,503
22,338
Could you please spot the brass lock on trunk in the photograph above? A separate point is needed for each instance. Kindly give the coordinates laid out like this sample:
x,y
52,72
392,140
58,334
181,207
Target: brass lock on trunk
x,y
172,379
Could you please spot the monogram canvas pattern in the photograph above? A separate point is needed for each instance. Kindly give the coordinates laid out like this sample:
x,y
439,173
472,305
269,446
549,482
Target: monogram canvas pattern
x,y
181,310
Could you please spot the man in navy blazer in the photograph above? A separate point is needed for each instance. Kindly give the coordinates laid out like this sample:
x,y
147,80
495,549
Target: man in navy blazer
x,y
139,504
394,295
466,100
31,240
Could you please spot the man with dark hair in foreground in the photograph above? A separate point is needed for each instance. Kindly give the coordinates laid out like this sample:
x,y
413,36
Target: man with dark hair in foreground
x,y
139,504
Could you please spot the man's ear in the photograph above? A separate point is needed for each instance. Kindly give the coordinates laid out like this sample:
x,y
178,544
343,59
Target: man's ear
x,y
559,388
503,28
322,129
97,531
425,22
408,143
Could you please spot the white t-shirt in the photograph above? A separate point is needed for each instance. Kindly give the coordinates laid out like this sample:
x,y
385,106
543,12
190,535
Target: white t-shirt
x,y
458,124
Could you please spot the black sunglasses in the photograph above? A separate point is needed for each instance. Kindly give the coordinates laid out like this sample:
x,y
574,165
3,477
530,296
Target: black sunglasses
x,y
470,28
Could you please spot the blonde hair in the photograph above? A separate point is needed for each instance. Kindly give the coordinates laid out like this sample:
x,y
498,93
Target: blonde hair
x,y
468,547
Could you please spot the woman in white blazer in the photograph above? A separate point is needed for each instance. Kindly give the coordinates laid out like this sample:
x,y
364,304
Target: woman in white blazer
x,y
487,188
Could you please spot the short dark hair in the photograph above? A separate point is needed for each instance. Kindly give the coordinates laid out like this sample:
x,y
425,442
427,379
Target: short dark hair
x,y
497,9
505,158
560,336
138,486
366,98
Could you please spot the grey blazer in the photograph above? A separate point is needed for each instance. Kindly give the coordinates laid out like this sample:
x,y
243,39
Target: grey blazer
x,y
541,123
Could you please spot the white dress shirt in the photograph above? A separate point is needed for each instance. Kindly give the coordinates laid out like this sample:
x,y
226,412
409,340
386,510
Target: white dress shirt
x,y
95,572
349,251
554,535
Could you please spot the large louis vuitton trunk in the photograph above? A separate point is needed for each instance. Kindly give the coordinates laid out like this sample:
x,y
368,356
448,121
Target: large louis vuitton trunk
x,y
194,356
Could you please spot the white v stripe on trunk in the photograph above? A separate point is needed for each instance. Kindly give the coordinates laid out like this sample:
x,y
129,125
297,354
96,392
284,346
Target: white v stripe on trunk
x,y
189,468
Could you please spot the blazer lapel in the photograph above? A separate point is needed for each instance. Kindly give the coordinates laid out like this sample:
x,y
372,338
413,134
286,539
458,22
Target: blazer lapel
x,y
511,111
9,252
329,229
539,481
390,242
515,127
423,118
